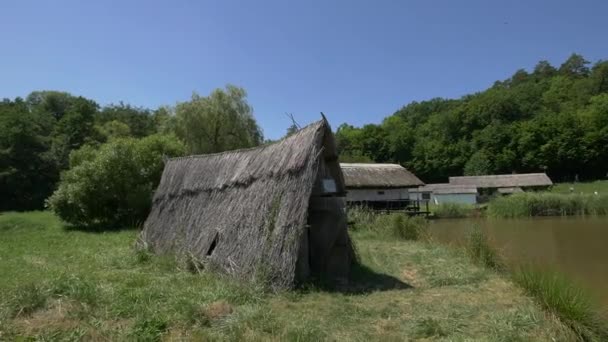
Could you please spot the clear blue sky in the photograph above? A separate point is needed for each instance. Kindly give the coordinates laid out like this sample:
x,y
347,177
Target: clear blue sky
x,y
357,61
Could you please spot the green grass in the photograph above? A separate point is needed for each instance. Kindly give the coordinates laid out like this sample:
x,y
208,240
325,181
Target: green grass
x,y
600,186
69,285
548,204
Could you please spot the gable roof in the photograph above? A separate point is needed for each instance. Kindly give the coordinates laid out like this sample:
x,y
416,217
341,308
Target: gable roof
x,y
243,211
504,181
360,175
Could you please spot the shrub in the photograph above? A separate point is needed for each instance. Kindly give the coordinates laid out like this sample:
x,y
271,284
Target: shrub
x,y
112,185
568,302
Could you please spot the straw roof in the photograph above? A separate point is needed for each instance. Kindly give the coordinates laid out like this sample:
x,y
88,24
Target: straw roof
x,y
444,188
244,211
504,181
358,175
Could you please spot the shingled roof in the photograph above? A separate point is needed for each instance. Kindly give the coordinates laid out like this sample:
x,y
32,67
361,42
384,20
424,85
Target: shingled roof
x,y
359,175
504,181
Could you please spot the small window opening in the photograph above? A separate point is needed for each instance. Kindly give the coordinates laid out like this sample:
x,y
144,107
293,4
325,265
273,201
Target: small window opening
x,y
380,192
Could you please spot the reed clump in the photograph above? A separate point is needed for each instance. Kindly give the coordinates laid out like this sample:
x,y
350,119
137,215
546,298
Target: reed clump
x,y
452,210
548,204
567,301
479,249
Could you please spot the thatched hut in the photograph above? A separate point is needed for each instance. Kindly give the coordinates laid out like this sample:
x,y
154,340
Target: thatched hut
x,y
276,211
375,183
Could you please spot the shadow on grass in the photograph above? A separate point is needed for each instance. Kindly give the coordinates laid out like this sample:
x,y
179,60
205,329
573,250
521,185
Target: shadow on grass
x,y
362,280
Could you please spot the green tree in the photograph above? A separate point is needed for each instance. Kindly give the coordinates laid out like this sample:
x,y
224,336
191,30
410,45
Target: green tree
x,y
27,171
112,186
219,122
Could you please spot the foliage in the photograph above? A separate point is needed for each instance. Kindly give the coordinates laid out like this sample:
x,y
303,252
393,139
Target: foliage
x,y
548,204
113,185
219,122
27,169
38,134
548,120
567,301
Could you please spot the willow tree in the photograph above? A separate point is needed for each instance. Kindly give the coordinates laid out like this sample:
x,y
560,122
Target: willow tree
x,y
218,122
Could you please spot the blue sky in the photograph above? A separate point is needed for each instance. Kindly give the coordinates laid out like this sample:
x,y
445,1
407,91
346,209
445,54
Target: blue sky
x,y
357,61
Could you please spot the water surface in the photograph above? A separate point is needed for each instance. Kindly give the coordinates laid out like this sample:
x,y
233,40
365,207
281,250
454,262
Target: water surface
x,y
575,246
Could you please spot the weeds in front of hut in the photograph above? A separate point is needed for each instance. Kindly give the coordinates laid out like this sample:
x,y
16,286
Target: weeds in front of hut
x,y
391,226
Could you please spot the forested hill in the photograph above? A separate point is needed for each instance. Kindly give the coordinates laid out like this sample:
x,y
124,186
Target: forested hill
x,y
552,119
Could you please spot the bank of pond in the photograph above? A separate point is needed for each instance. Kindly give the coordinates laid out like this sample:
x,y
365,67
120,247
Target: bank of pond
x,y
528,204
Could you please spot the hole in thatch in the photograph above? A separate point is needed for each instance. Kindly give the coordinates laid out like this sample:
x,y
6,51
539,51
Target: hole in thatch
x,y
213,245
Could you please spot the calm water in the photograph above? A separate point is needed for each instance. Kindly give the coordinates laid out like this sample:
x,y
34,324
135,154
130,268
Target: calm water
x,y
577,247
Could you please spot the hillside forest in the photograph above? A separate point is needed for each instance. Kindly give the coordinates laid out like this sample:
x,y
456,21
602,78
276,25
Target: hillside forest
x,y
84,160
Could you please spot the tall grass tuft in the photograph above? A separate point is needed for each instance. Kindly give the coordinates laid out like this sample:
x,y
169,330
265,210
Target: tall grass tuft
x,y
481,252
391,226
452,210
548,204
569,303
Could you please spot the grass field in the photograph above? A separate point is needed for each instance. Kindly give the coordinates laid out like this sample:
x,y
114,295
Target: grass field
x,y
58,284
600,186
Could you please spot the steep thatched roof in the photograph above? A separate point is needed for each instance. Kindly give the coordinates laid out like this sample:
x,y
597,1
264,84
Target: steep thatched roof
x,y
504,181
243,211
444,188
358,175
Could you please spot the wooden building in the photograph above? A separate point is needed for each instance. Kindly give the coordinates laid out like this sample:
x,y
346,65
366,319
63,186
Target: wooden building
x,y
445,193
378,185
492,185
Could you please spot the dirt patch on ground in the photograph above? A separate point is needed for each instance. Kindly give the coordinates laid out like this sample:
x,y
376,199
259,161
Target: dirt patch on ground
x,y
218,310
410,275
55,316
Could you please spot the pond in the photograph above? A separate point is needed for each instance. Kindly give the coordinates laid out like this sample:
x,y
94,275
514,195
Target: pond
x,y
575,246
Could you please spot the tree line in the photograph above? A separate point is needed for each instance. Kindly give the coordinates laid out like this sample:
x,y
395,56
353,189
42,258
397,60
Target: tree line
x,y
95,164
95,158
551,119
